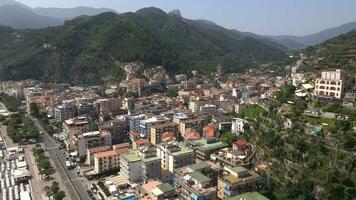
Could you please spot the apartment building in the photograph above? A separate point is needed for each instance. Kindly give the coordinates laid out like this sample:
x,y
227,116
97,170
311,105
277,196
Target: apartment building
x,y
237,126
108,160
330,85
195,186
158,130
140,165
65,111
146,124
85,141
73,127
196,123
174,156
203,148
238,180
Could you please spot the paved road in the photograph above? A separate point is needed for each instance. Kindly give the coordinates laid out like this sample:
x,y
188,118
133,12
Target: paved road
x,y
70,179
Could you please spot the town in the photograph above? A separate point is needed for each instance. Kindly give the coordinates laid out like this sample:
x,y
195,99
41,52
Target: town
x,y
193,136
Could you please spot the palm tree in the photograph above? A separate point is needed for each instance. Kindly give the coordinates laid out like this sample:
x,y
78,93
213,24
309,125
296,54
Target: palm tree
x,y
48,192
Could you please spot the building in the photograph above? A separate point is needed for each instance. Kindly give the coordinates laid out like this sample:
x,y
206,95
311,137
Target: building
x,y
136,144
241,154
203,148
297,79
209,169
174,156
177,117
330,85
146,124
249,196
195,186
73,127
237,126
158,130
157,190
134,122
208,108
118,128
140,165
108,160
196,123
85,141
194,105
65,111
91,152
237,181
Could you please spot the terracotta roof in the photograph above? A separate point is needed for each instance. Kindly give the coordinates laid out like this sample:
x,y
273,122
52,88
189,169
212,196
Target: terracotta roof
x,y
151,184
167,136
209,131
135,133
111,153
239,142
99,149
121,145
193,135
142,141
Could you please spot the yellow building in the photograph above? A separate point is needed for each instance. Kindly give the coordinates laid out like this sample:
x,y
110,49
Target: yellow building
x,y
158,130
196,123
108,160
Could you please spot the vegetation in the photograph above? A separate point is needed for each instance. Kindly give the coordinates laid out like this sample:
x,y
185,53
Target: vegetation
x,y
104,188
338,52
21,129
54,191
43,163
90,49
10,102
304,166
253,111
228,137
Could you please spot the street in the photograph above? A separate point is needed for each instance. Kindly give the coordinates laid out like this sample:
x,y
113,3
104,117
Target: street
x,y
70,179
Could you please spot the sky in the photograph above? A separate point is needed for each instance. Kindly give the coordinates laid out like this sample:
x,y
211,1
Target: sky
x,y
265,17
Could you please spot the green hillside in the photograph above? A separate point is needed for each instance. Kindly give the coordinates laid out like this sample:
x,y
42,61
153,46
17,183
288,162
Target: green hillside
x,y
339,52
87,49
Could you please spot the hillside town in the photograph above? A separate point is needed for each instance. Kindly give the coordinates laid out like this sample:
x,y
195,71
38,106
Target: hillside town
x,y
157,135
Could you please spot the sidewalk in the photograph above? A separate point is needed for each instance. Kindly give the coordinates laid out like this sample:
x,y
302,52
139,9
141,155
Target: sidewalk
x,y
37,181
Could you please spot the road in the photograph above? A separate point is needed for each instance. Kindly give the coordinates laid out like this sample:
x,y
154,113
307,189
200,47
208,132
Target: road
x,y
3,107
70,179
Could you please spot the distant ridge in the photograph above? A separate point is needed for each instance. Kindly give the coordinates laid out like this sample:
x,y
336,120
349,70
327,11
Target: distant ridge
x,y
312,39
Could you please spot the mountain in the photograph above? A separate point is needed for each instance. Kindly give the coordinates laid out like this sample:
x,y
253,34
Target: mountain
x,y
11,2
89,49
338,52
70,13
307,40
17,16
20,16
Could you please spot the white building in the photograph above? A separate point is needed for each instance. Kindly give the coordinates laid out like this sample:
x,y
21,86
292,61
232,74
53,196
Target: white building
x,y
64,111
330,84
209,108
298,79
89,140
140,165
174,156
237,126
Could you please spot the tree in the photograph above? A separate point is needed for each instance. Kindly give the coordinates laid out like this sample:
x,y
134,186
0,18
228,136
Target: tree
x,y
35,111
48,191
59,195
54,187
228,137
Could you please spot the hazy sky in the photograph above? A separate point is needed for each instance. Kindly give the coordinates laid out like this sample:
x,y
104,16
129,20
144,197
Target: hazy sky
x,y
273,17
